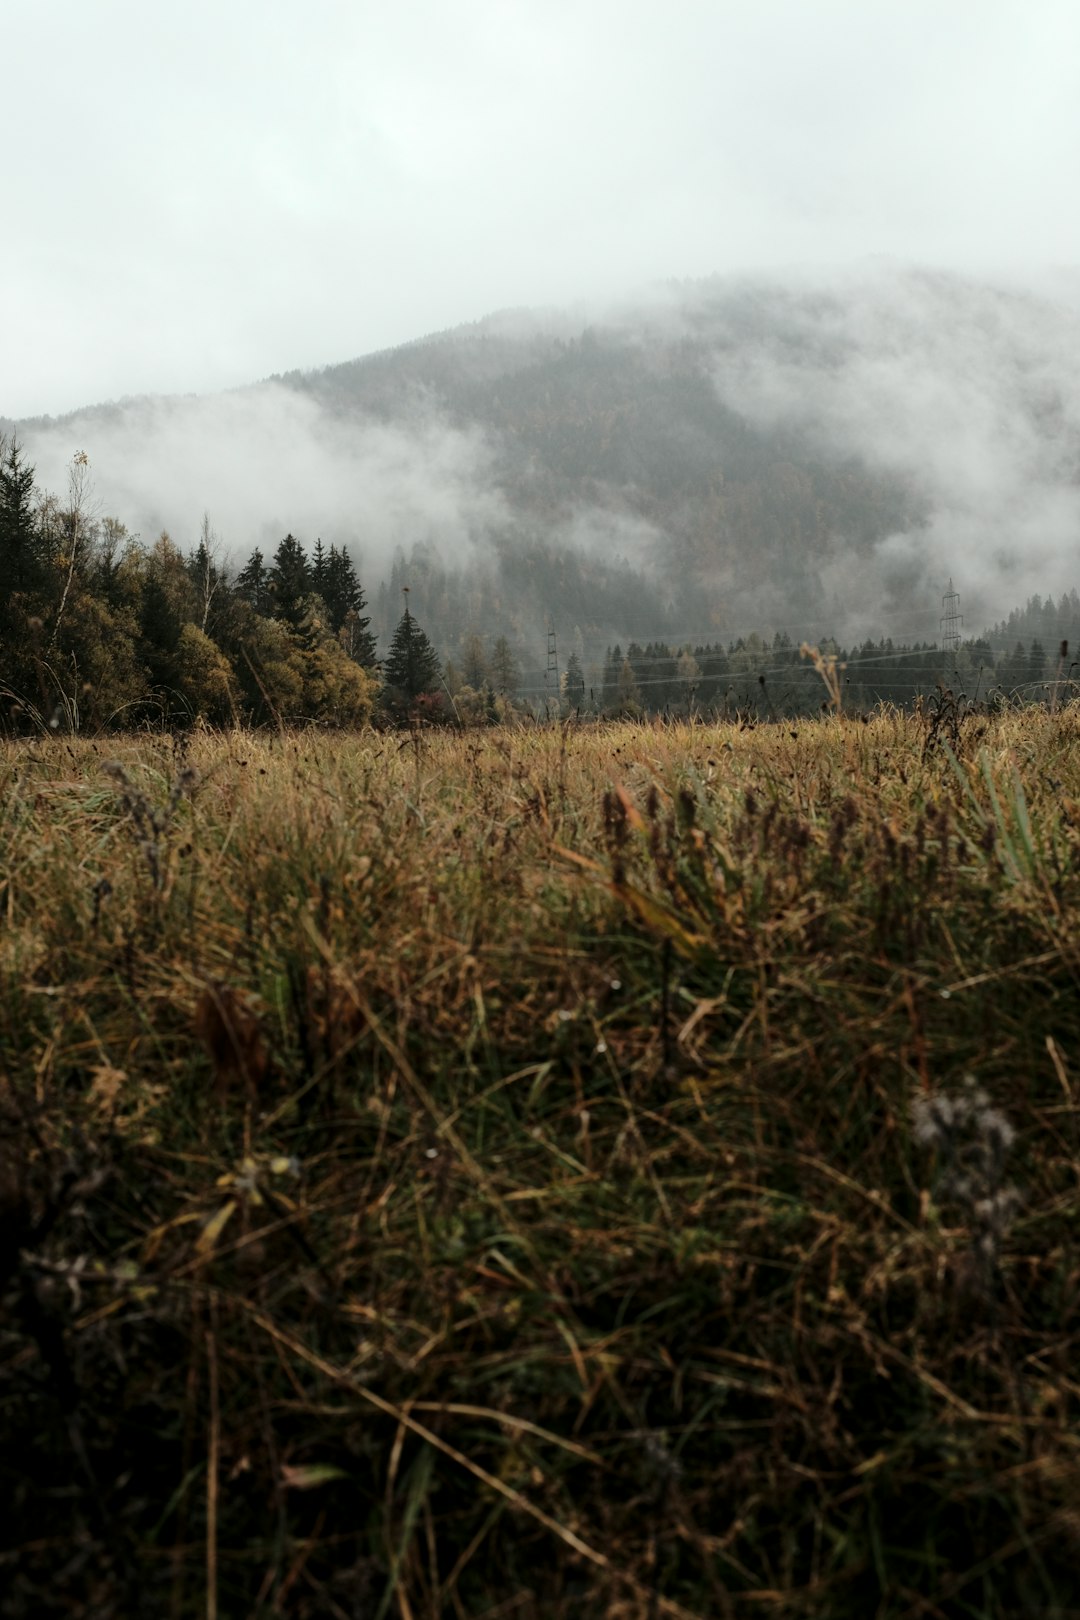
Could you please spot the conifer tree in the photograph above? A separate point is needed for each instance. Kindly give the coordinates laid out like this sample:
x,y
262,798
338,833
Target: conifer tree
x,y
253,583
345,605
167,602
19,541
358,641
412,665
290,581
205,574
318,568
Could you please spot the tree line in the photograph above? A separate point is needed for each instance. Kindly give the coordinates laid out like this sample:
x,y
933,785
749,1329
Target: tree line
x,y
756,676
98,629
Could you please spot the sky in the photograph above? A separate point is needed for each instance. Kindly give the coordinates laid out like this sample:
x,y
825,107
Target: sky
x,y
197,197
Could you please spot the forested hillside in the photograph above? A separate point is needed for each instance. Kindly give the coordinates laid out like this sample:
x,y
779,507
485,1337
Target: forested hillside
x,y
98,630
713,476
756,455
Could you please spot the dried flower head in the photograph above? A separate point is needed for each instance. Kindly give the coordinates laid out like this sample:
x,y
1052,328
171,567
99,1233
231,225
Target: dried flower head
x,y
971,1140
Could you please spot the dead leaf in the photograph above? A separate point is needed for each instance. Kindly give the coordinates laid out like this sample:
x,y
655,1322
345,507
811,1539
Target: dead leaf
x,y
307,1475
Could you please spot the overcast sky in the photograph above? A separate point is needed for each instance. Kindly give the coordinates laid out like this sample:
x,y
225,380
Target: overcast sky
x,y
201,195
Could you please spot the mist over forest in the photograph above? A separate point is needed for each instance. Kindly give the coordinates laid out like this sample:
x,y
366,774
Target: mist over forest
x,y
813,455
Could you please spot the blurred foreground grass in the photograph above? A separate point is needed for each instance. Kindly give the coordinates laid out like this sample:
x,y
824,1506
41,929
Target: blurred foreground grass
x,y
476,1175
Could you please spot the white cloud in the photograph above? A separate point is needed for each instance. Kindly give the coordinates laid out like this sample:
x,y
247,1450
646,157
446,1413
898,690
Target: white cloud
x,y
266,460
202,196
972,393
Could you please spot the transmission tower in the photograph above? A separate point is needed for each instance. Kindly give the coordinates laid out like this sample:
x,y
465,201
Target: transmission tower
x,y
951,621
551,674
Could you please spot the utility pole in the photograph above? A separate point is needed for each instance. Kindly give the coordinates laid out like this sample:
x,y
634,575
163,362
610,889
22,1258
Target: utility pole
x,y
951,621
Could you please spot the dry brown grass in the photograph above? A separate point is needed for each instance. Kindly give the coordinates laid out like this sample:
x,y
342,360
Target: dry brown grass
x,y
475,1175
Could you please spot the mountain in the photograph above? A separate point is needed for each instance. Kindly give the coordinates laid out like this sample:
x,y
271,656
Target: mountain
x,y
805,453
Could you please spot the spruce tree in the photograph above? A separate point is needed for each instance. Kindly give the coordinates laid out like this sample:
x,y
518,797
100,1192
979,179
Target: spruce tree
x,y
358,641
290,581
253,583
319,562
345,605
574,683
205,574
20,560
412,665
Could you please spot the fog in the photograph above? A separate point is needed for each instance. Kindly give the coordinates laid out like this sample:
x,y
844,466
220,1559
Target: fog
x,y
968,391
972,391
266,460
217,196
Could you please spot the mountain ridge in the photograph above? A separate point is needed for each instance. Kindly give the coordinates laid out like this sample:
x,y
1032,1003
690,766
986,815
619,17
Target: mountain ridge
x,y
752,447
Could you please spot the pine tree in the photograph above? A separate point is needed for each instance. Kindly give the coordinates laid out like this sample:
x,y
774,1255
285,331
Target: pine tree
x,y
358,641
412,665
319,562
20,561
574,682
167,602
253,583
345,605
205,574
290,581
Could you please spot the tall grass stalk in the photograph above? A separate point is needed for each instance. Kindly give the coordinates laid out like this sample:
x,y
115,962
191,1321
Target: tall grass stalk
x,y
499,1175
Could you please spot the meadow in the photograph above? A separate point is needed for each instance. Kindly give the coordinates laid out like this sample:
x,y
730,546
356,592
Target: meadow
x,y
618,1171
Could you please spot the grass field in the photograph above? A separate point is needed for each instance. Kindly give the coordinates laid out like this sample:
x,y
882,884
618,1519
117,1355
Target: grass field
x,y
613,1172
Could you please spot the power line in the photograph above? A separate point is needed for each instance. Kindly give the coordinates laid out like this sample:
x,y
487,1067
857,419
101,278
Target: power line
x,y
852,660
733,678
